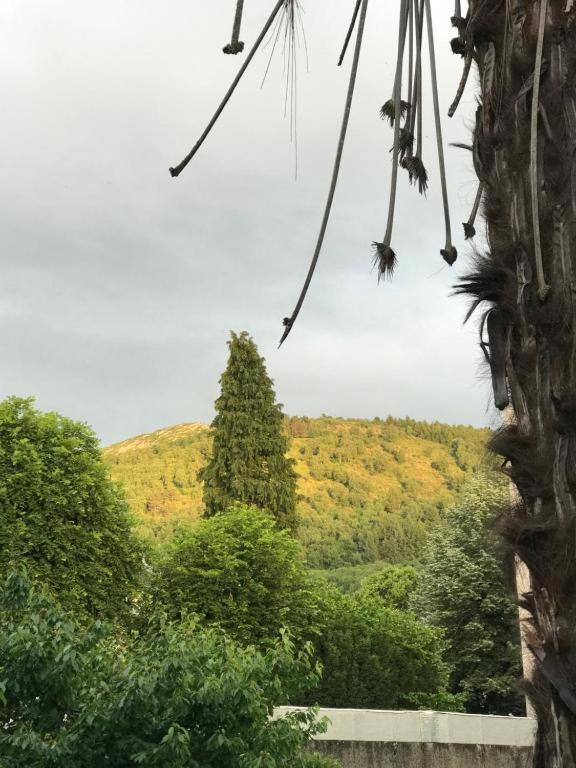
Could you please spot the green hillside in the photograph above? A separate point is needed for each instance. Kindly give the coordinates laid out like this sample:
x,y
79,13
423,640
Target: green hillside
x,y
368,490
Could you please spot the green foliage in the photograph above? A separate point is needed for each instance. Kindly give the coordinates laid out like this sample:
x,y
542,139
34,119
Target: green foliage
x,y
356,503
239,571
463,588
60,514
73,697
374,656
349,578
160,475
393,584
249,462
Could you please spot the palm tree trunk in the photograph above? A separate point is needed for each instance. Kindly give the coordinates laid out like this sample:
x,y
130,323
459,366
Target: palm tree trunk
x,y
524,154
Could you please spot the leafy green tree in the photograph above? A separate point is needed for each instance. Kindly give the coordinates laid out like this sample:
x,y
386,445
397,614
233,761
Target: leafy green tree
x,y
463,588
249,462
240,572
375,656
60,514
73,697
393,584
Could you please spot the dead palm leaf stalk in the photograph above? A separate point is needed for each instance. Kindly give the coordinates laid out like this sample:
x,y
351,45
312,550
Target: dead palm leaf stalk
x,y
289,321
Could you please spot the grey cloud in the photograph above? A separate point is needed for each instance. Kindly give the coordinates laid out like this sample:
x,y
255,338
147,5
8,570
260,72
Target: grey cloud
x,y
120,284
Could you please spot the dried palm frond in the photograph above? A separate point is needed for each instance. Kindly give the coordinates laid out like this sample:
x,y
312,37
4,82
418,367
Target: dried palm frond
x,y
288,322
290,34
416,172
388,111
385,256
177,170
449,253
463,80
469,229
385,259
349,33
235,45
285,30
543,288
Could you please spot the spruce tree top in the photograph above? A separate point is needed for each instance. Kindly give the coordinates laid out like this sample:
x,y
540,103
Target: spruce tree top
x,y
248,462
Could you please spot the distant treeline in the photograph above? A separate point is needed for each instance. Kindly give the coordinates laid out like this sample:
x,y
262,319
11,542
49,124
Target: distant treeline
x,y
368,490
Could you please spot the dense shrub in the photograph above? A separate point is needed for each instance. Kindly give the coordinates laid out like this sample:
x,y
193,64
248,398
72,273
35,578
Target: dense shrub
x,y
60,514
239,571
180,697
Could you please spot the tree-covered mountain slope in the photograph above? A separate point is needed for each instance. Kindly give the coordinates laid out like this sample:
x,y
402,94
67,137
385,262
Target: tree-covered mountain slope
x,y
368,490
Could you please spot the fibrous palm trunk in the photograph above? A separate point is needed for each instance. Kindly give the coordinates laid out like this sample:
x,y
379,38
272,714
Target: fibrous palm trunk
x,y
524,155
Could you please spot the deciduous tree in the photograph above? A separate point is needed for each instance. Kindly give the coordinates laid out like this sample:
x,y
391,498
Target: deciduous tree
x,y
462,587
61,515
237,570
79,697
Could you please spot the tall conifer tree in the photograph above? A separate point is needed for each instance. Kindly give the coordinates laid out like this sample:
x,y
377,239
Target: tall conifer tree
x,y
249,462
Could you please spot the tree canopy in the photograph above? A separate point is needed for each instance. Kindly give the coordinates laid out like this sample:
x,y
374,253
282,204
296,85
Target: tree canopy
x,y
80,697
393,584
249,462
239,571
60,514
463,588
375,656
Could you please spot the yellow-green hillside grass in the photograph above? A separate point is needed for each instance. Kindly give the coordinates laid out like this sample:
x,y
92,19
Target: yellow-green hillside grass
x,y
368,490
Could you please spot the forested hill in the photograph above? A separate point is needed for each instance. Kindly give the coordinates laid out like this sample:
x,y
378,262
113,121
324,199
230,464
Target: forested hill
x,y
368,489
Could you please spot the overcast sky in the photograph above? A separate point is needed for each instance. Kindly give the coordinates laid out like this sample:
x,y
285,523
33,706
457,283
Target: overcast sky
x,y
120,285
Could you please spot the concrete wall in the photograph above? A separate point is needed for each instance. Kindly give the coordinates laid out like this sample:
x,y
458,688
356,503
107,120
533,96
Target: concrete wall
x,y
362,738
378,754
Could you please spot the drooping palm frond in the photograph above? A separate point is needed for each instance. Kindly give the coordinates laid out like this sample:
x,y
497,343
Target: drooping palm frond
x,y
288,322
235,45
388,110
462,85
417,173
543,288
349,32
469,229
449,253
384,254
280,4
411,132
405,115
385,259
289,34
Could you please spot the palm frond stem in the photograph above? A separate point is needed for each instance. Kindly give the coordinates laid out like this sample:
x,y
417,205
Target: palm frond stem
x,y
462,85
543,288
469,229
235,45
410,49
383,249
177,170
349,33
449,252
289,321
413,161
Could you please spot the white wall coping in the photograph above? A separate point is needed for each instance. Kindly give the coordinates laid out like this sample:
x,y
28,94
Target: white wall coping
x,y
423,726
